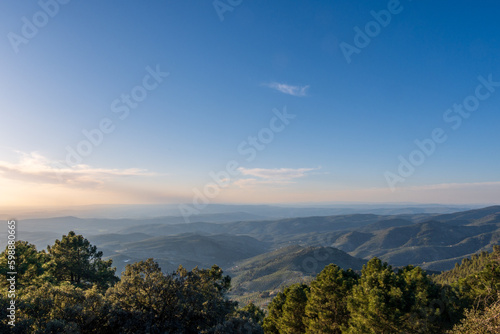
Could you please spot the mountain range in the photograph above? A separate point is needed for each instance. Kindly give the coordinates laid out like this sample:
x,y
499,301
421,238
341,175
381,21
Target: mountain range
x,y
263,254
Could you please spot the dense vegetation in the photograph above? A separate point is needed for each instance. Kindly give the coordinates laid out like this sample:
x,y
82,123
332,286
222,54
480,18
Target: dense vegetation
x,y
384,300
69,288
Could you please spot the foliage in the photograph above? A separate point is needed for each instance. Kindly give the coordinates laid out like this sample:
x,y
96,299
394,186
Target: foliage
x,y
468,266
247,320
326,309
29,264
292,320
253,312
376,304
183,302
65,306
381,300
386,301
73,259
478,321
275,312
71,289
484,286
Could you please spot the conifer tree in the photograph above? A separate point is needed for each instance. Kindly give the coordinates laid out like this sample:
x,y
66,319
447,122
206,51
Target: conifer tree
x,y
292,319
28,264
326,309
275,312
73,259
376,304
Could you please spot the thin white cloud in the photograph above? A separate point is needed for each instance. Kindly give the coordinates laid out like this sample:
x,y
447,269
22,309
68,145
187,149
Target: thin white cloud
x,y
276,173
266,176
288,89
35,168
252,182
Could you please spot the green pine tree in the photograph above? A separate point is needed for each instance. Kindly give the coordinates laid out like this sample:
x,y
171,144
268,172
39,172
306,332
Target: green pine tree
x,y
376,304
292,319
73,259
326,309
275,312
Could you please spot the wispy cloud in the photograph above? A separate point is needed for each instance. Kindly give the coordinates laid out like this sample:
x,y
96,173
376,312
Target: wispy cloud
x,y
288,89
253,182
276,173
35,168
274,176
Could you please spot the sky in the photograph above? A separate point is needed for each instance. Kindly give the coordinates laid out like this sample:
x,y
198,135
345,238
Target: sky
x,y
238,101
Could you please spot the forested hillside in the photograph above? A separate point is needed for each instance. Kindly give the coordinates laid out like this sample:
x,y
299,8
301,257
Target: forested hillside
x,y
69,288
259,278
383,300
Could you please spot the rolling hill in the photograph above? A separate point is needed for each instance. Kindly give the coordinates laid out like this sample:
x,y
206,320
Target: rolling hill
x,y
262,276
433,241
189,250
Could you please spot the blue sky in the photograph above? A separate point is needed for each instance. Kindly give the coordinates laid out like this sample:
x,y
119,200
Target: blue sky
x,y
353,118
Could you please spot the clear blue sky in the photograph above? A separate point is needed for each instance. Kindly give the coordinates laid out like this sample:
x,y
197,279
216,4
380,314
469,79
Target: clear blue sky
x,y
353,119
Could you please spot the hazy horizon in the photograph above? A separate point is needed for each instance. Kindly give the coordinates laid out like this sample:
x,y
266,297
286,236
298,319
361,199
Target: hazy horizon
x,y
137,211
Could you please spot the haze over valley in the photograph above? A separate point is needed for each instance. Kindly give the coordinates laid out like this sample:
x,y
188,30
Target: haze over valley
x,y
432,237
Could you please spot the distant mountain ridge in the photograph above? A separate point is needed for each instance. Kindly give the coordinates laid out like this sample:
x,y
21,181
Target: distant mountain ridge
x,y
263,254
433,241
275,211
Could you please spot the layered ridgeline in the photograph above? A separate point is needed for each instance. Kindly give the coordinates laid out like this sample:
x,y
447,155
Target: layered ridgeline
x,y
432,241
260,278
70,288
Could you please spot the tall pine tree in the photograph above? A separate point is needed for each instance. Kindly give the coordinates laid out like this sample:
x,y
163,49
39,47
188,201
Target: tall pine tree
x,y
326,309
